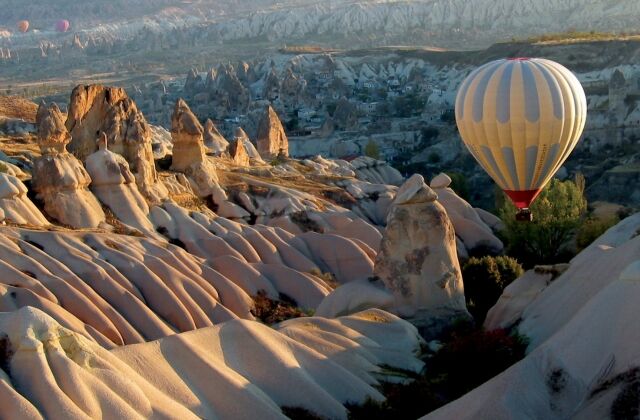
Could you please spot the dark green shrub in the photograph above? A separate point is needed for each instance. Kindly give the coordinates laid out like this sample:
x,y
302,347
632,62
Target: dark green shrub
x,y
468,359
591,229
484,281
272,311
372,150
434,157
299,413
459,184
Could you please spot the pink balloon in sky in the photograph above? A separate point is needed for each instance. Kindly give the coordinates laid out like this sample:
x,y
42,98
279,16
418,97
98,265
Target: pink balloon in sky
x,y
62,25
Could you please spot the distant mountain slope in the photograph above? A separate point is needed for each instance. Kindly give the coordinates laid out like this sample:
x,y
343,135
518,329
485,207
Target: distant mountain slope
x,y
372,22
366,22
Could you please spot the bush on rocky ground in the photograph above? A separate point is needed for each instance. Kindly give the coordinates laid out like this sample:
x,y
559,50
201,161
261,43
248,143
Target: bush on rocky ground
x,y
467,359
272,311
484,281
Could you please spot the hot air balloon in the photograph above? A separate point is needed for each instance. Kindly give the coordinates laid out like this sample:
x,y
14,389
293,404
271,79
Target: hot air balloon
x,y
62,25
23,26
520,119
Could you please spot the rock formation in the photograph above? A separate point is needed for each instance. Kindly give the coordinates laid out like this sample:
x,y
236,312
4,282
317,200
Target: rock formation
x,y
15,206
161,143
189,158
194,83
53,136
115,186
95,109
272,140
345,117
233,370
468,222
187,135
238,153
376,171
417,261
58,178
215,142
241,136
581,363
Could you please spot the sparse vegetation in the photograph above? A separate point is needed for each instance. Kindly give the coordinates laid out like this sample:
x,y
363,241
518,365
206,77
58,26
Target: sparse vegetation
x,y
575,36
434,157
304,222
328,278
299,413
428,135
466,360
591,229
459,184
272,311
626,405
6,352
484,281
372,150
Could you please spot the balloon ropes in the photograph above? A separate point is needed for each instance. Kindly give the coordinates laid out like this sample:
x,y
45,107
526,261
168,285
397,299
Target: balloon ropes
x,y
520,119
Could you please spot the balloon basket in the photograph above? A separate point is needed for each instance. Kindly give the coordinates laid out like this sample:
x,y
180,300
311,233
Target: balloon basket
x,y
524,215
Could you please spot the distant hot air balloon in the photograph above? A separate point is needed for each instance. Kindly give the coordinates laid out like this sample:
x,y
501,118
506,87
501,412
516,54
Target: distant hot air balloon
x,y
62,25
23,25
520,119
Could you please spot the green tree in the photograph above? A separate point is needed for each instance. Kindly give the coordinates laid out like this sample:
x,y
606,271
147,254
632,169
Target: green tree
x,y
484,280
372,150
459,184
557,212
428,135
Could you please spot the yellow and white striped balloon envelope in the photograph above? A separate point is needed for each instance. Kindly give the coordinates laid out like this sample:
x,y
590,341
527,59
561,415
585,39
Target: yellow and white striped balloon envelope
x,y
521,118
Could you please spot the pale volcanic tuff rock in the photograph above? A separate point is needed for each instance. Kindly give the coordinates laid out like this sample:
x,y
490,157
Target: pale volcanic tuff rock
x,y
194,83
189,158
58,178
214,142
212,237
350,23
293,85
15,206
271,140
160,142
241,136
238,153
417,261
115,186
230,89
96,109
581,363
233,370
116,289
52,133
187,135
376,171
468,222
354,297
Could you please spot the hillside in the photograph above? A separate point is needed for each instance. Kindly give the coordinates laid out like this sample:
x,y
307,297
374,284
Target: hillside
x,y
16,107
347,23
